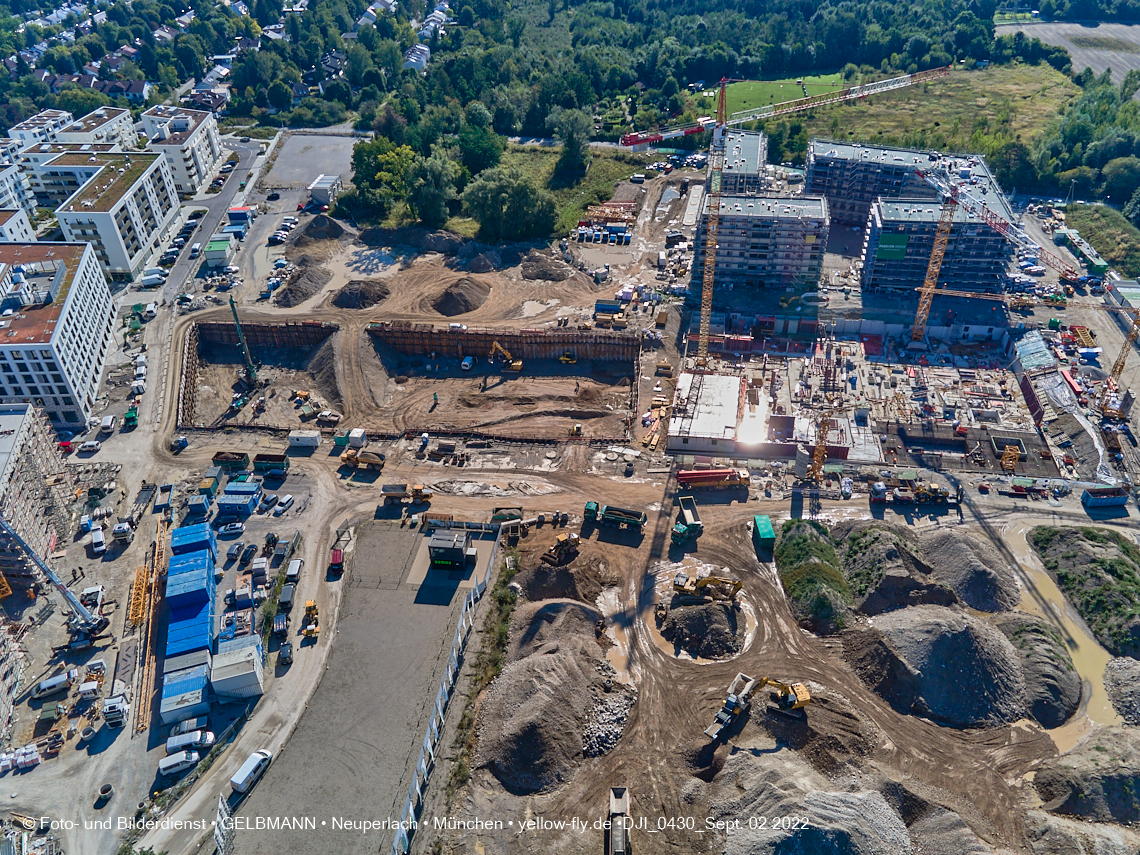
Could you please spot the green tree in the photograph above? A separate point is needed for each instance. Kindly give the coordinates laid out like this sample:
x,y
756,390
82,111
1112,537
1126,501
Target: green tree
x,y
573,128
478,115
509,206
380,170
431,186
359,63
480,148
1121,178
280,95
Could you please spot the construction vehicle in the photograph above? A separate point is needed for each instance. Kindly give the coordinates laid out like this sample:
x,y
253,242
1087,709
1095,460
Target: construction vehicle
x,y
398,493
124,531
509,362
694,592
302,394
931,494
310,626
664,369
115,710
724,121
131,419
178,444
564,548
568,358
615,517
690,524
713,479
250,367
82,625
575,430
787,700
370,460
618,822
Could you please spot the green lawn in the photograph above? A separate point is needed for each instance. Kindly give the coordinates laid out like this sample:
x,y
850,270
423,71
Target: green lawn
x,y
1116,239
596,186
760,93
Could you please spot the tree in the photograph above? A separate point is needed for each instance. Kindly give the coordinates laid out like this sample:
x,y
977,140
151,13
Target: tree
x,y
509,206
339,90
359,63
380,170
480,148
280,95
1121,177
478,115
573,128
431,186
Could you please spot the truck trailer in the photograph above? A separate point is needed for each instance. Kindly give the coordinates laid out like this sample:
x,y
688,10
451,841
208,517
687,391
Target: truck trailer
x,y
615,517
713,479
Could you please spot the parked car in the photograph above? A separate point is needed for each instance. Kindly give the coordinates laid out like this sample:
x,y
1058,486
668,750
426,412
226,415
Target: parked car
x,y
273,197
244,139
225,519
247,555
285,654
232,528
284,505
269,501
234,552
90,447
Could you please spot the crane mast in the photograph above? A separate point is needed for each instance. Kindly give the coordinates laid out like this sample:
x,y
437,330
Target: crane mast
x,y
716,174
941,238
250,368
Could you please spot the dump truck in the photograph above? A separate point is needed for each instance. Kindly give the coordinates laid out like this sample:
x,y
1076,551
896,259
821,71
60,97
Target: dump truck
x,y
131,419
563,549
399,493
713,479
269,462
231,459
371,460
615,517
689,525
617,827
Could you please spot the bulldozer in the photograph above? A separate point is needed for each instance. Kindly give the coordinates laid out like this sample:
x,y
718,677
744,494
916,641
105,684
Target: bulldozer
x,y
563,549
705,590
509,362
575,430
310,627
787,700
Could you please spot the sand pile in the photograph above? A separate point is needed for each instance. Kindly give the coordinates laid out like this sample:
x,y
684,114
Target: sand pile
x,y
1097,780
1122,680
462,297
975,570
361,294
320,228
965,672
322,366
538,265
711,631
539,710
309,283
1052,685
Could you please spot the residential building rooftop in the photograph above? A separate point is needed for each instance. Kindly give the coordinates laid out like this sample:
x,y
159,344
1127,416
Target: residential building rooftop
x,y
772,206
114,181
7,214
95,120
43,264
40,119
181,123
744,151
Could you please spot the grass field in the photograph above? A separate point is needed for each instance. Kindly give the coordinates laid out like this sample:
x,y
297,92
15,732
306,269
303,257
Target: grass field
x,y
1116,239
760,93
970,111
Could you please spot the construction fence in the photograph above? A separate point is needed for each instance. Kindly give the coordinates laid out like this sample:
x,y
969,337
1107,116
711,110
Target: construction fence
x,y
423,339
408,818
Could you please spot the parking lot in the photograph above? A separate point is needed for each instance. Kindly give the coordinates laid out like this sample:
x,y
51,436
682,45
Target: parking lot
x,y
303,157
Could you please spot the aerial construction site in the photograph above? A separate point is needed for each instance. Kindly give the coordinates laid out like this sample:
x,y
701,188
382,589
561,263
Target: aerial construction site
x,y
769,510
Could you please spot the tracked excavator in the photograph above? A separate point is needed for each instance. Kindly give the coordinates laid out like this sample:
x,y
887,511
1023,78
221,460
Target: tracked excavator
x,y
509,362
705,589
787,700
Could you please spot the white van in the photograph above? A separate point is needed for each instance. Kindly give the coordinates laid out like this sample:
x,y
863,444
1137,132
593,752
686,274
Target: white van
x,y
107,425
140,372
251,771
149,312
188,741
188,726
155,271
152,281
468,363
98,540
293,574
457,327
196,250
58,683
176,763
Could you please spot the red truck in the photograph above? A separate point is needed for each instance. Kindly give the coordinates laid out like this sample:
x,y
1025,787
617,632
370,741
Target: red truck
x,y
713,479
336,560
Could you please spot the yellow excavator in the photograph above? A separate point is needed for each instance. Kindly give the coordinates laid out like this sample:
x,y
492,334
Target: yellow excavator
x,y
705,589
788,699
509,362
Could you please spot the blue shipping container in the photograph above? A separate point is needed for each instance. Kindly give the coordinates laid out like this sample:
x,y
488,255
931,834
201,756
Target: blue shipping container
x,y
198,506
193,538
185,680
190,561
241,505
188,589
1099,497
242,488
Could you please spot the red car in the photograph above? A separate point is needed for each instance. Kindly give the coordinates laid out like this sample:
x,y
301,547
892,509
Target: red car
x,y
300,206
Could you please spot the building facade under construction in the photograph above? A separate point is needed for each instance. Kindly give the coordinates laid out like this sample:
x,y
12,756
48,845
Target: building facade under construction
x,y
853,175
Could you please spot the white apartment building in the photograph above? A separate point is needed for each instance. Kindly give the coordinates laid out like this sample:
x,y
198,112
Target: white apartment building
x,y
111,125
15,191
121,211
190,141
42,127
53,185
15,227
56,328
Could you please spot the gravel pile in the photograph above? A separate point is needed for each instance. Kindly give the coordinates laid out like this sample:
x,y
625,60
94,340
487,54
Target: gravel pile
x,y
975,571
1122,680
320,228
1052,685
462,297
966,672
361,294
1098,780
942,832
322,366
538,265
607,722
310,282
711,631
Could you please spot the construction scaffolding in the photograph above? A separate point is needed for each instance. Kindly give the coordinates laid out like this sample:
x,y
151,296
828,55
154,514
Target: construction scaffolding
x,y
423,339
12,664
188,382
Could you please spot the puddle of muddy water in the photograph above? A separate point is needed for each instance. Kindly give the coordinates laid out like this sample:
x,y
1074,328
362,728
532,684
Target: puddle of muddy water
x,y
1041,596
609,604
531,308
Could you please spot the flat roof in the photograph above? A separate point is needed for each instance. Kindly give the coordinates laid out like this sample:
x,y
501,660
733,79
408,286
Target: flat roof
x,y
11,420
36,324
744,152
192,119
95,120
716,410
44,117
68,148
110,184
919,211
789,207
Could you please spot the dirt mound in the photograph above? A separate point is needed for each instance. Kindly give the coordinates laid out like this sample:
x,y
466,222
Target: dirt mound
x,y
462,297
942,832
550,702
1049,834
544,582
809,571
322,366
879,563
711,631
484,262
310,282
361,294
966,672
1097,780
321,228
974,570
1053,687
1122,680
539,265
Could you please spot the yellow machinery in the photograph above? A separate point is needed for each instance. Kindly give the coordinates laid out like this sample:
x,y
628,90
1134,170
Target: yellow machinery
x,y
509,362
1010,458
575,430
563,549
788,699
311,627
930,494
568,358
706,589
368,459
933,268
822,429
1118,369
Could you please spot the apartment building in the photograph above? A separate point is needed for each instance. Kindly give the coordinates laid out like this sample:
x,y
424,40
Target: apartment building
x,y
53,185
765,241
110,125
190,141
15,227
745,158
42,127
853,175
15,192
900,238
56,328
121,211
